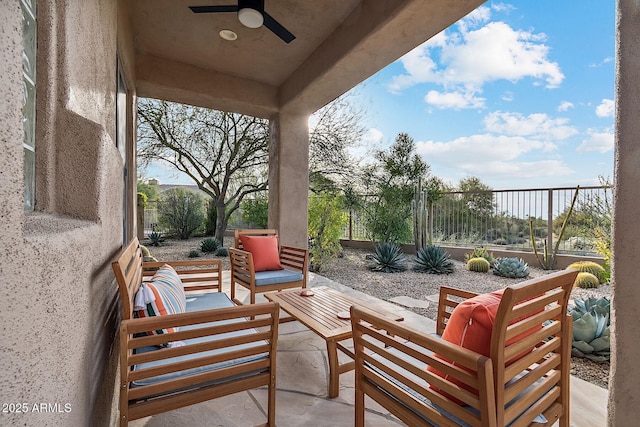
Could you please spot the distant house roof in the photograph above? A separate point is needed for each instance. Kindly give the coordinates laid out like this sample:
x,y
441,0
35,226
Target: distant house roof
x,y
165,187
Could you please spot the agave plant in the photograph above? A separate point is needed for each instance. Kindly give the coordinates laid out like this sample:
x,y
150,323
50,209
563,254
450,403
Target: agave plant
x,y
388,258
591,329
433,260
209,245
510,267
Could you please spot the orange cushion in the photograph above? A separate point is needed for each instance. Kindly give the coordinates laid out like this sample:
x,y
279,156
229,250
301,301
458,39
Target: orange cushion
x,y
470,326
264,250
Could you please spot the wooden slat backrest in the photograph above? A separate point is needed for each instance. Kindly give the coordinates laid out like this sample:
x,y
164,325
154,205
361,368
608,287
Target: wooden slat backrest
x,y
128,271
532,334
252,232
387,367
448,300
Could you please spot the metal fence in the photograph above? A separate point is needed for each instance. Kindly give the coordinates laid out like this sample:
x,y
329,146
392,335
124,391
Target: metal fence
x,y
507,219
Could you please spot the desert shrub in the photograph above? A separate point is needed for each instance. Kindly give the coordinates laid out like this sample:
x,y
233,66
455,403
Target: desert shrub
x,y
326,219
181,212
209,245
194,253
221,252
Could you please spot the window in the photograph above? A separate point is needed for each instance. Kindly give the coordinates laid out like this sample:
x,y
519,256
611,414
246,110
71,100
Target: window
x,y
29,42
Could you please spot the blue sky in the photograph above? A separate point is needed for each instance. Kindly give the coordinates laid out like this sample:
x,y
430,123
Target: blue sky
x,y
519,94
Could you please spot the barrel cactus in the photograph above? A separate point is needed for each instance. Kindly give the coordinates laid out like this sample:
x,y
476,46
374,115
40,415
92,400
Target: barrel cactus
x,y
511,267
433,260
480,252
590,267
478,264
586,281
591,329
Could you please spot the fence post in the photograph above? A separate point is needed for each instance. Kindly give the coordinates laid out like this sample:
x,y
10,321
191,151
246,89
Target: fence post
x,y
350,225
550,221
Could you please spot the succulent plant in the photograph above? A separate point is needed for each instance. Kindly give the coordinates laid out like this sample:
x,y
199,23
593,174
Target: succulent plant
x,y
591,329
510,267
209,245
194,253
478,264
586,280
480,252
433,260
590,267
156,238
221,251
388,258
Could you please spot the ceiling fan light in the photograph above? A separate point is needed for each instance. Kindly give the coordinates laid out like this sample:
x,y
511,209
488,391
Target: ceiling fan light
x,y
250,17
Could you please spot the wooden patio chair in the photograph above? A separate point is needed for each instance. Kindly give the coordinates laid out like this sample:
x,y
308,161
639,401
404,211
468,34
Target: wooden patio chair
x,y
531,314
529,350
391,362
290,270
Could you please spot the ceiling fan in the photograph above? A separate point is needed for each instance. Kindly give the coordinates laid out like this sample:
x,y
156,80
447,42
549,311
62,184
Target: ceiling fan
x,y
251,14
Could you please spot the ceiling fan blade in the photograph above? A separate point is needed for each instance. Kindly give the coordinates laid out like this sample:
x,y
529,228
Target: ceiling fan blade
x,y
277,29
213,9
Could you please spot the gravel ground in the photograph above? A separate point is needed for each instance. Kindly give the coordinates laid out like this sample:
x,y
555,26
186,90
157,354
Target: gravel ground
x,y
351,270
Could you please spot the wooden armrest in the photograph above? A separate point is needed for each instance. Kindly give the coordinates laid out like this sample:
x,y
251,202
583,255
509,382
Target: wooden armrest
x,y
391,361
448,300
195,274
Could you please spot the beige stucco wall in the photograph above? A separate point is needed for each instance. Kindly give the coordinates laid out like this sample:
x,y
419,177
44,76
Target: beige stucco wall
x,y
58,300
289,177
624,396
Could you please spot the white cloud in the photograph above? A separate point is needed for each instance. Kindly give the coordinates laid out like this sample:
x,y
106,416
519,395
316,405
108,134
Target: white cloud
x,y
601,142
470,59
372,136
453,100
539,125
604,61
493,156
564,106
606,108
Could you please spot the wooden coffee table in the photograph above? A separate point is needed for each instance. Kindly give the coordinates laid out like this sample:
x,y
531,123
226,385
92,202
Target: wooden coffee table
x,y
320,314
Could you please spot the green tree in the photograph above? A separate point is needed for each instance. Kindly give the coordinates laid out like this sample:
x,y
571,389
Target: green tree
x,y
256,211
390,182
150,190
326,219
181,212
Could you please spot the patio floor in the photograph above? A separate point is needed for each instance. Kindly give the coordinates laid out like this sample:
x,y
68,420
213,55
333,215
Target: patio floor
x,y
302,372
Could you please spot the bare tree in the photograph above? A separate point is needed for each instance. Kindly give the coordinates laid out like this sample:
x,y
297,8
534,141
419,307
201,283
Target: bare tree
x,y
225,154
333,130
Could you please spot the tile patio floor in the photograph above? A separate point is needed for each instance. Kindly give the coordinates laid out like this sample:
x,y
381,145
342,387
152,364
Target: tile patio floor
x,y
302,372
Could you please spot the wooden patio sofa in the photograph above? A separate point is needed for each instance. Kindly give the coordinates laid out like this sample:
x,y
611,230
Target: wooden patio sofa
x,y
215,351
425,380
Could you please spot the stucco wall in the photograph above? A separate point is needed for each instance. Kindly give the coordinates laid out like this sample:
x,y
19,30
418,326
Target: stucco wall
x,y
57,294
624,400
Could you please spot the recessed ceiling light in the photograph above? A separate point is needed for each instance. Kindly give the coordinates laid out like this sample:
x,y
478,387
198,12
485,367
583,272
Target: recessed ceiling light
x,y
228,35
